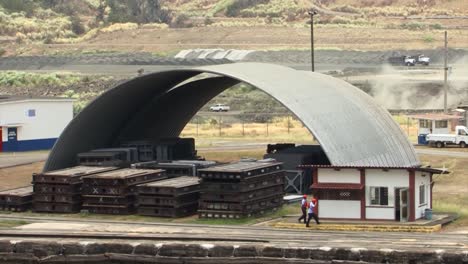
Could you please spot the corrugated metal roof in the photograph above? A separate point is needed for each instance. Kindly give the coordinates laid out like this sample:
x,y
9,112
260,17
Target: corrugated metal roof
x,y
351,128
435,117
415,168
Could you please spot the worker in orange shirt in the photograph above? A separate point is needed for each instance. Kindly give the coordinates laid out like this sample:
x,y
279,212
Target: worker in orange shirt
x,y
303,209
312,211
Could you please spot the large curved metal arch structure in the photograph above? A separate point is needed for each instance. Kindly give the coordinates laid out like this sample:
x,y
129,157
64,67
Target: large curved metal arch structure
x,y
351,128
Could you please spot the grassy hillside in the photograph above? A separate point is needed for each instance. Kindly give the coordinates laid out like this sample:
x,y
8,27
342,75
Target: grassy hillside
x,y
49,20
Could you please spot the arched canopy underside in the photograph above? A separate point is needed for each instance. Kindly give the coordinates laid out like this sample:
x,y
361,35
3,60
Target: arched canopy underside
x,y
351,128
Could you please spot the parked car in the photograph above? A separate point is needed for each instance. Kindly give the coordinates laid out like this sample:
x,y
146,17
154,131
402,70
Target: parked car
x,y
441,140
220,108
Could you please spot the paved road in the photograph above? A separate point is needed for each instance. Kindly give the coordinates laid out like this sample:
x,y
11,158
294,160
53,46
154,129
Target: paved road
x,y
195,232
455,154
131,70
21,158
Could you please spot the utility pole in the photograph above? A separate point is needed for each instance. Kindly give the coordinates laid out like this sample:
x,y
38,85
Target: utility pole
x,y
445,73
312,13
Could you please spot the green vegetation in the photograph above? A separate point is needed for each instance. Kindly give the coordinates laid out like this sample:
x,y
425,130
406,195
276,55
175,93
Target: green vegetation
x,y
449,190
428,38
26,79
137,11
61,21
12,223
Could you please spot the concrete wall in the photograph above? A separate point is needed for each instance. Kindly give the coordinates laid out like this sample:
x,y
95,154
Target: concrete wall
x,y
339,176
19,251
35,132
340,209
422,179
380,178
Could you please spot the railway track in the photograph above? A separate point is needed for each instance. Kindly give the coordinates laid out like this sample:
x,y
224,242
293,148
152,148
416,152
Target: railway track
x,y
80,229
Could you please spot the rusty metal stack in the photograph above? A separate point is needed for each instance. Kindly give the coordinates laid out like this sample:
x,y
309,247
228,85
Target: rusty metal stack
x,y
114,192
16,200
60,191
241,189
176,197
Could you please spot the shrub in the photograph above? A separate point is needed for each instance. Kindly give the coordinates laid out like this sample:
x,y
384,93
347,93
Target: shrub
x,y
76,26
340,20
235,7
119,27
428,38
181,21
413,26
346,9
26,6
435,26
208,21
2,52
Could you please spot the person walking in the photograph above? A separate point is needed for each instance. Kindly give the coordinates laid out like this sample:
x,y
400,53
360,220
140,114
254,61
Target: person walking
x,y
303,209
311,211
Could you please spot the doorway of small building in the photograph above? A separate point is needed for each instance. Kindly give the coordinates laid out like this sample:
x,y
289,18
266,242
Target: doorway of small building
x,y
401,204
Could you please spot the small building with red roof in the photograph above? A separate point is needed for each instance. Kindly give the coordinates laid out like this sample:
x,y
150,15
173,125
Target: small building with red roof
x,y
372,193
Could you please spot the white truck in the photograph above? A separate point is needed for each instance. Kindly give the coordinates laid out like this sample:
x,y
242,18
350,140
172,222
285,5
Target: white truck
x,y
220,108
441,140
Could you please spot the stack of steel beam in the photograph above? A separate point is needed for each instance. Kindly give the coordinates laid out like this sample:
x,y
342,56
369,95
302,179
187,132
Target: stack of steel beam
x,y
60,191
16,200
176,168
241,189
175,197
114,192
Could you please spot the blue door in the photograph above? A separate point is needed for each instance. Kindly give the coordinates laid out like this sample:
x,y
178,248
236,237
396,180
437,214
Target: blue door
x,y
13,138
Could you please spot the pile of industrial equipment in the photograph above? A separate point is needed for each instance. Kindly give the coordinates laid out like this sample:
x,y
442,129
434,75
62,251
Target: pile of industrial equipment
x,y
114,192
16,200
176,197
166,179
241,189
60,191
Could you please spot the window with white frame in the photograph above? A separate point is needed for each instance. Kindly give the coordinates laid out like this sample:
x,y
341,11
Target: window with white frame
x,y
425,123
422,194
441,124
378,195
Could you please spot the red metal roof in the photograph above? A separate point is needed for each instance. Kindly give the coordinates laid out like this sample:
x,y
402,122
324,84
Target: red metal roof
x,y
425,169
338,186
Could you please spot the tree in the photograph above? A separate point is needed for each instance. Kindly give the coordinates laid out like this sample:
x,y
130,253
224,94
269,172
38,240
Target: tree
x,y
138,11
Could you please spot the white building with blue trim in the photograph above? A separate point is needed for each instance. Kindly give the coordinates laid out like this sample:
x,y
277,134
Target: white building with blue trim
x,y
32,123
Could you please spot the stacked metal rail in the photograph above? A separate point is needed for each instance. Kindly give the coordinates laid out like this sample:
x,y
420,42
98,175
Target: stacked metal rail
x,y
60,191
241,189
16,200
176,168
175,197
114,192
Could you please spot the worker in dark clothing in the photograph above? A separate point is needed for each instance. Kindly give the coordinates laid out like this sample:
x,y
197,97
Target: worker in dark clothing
x,y
312,211
303,209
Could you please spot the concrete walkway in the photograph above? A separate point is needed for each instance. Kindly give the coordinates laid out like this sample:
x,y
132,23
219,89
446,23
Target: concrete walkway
x,y
21,158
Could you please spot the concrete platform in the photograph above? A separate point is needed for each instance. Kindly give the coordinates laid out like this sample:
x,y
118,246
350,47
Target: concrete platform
x,y
421,225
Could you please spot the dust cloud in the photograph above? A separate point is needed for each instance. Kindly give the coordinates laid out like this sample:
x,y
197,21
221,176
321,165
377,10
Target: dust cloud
x,y
420,89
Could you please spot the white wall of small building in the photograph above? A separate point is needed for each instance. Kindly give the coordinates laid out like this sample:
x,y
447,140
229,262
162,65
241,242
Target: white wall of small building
x,y
340,209
396,178
51,117
422,179
339,176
